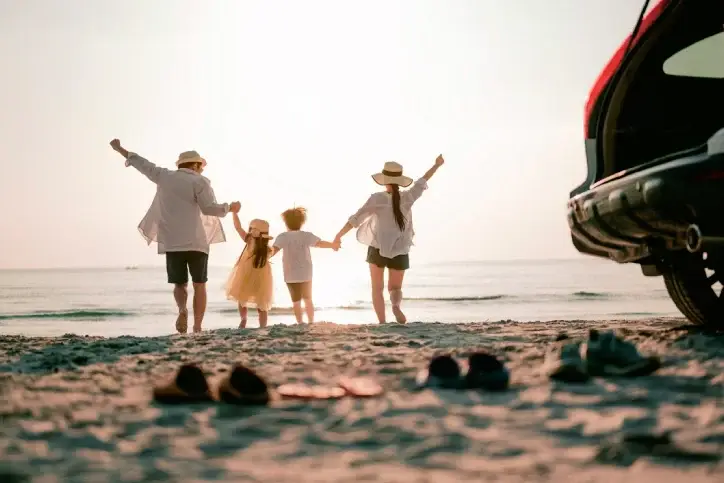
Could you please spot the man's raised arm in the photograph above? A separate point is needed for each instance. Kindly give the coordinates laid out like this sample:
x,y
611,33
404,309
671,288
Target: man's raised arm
x,y
144,166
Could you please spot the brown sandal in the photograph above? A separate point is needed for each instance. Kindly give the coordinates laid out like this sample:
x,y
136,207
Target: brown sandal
x,y
244,387
188,386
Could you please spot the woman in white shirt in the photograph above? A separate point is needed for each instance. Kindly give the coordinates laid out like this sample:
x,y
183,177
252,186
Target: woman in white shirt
x,y
384,224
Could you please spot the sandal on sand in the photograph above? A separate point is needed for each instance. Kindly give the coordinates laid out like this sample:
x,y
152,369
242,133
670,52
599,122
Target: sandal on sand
x,y
182,321
485,371
244,387
564,363
306,391
609,355
443,372
188,386
360,386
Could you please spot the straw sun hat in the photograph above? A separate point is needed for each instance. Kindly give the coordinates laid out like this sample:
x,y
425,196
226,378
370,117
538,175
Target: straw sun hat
x,y
392,174
190,157
259,228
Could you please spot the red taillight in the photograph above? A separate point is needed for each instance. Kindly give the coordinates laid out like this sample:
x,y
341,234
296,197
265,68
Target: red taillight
x,y
710,176
615,62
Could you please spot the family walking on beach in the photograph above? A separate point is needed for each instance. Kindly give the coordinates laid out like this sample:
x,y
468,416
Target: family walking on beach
x,y
184,221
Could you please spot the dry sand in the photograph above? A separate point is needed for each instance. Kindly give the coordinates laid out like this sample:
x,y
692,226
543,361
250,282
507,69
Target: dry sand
x,y
78,409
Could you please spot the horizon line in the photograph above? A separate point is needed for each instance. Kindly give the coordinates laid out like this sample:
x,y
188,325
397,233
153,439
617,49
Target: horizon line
x,y
439,262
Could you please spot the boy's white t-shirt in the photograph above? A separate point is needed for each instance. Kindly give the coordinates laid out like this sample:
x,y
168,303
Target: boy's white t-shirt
x,y
296,256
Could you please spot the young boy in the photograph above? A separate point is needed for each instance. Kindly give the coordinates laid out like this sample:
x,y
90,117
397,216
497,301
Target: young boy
x,y
297,260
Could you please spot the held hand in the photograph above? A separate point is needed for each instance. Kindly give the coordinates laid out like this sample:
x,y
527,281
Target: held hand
x,y
234,207
439,161
336,245
116,144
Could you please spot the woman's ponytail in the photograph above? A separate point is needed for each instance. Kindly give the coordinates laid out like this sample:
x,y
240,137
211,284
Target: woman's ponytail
x,y
399,217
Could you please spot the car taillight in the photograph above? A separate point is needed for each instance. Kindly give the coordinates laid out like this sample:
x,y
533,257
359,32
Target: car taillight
x,y
710,176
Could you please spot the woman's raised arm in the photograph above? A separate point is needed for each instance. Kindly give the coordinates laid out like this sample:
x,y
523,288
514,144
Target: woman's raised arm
x,y
439,161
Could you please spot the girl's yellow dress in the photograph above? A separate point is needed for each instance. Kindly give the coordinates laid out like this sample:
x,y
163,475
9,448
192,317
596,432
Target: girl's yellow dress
x,y
248,285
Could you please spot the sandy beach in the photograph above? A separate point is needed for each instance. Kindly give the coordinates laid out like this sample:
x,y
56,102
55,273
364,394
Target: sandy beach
x,y
78,408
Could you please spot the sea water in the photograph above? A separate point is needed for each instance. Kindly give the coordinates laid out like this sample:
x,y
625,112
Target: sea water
x,y
138,301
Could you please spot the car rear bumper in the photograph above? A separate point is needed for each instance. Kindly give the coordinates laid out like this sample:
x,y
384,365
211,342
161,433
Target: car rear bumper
x,y
647,212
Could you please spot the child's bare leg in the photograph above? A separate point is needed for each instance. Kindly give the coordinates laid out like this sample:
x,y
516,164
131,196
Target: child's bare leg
x,y
297,306
262,318
309,307
243,311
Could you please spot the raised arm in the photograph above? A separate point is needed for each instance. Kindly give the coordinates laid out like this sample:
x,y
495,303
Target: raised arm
x,y
439,161
356,220
420,185
237,224
144,166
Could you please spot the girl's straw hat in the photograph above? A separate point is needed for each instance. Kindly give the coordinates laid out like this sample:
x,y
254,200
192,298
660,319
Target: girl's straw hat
x,y
259,229
392,174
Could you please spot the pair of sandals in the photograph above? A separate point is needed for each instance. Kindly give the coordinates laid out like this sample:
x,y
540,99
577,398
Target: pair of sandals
x,y
244,387
482,370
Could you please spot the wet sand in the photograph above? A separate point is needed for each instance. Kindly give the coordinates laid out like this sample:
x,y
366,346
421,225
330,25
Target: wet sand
x,y
78,409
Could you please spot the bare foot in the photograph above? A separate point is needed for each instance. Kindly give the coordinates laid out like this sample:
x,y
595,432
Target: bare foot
x,y
182,321
197,328
399,316
242,324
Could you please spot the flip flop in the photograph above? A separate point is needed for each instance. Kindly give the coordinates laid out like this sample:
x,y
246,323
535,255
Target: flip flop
x,y
360,386
485,371
443,372
306,391
189,385
244,387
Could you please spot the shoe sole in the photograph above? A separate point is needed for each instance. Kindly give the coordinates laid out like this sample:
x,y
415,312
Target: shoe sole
x,y
644,367
569,373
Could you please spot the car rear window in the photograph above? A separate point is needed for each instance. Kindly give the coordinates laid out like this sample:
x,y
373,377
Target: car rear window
x,y
702,59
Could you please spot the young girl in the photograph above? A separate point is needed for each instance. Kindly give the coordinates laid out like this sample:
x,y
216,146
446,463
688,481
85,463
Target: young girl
x,y
297,260
384,224
250,281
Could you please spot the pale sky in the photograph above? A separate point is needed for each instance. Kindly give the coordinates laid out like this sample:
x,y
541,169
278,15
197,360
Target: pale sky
x,y
297,102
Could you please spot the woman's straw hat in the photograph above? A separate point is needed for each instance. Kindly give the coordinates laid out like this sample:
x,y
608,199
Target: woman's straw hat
x,y
392,174
259,229
190,157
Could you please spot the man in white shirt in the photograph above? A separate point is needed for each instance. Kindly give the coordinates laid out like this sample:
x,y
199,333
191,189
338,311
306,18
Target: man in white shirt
x,y
184,220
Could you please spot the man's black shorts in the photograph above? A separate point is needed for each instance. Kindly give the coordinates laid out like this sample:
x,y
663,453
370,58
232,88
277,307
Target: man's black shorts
x,y
400,262
179,264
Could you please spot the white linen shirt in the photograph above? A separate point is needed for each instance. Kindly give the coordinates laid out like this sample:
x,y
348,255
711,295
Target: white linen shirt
x,y
184,213
376,226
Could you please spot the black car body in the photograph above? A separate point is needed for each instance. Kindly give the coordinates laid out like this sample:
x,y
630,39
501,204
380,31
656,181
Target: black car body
x,y
654,139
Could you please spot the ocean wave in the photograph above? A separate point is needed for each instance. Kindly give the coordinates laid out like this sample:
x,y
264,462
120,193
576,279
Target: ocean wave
x,y
290,310
591,295
472,298
69,314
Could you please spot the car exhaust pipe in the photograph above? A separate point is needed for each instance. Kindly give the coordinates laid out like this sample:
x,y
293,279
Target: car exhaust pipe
x,y
695,240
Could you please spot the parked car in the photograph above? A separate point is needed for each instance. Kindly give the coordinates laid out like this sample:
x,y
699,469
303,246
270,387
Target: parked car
x,y
654,141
